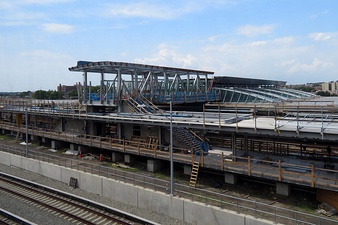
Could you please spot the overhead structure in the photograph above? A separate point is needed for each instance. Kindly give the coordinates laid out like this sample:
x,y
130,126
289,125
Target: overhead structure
x,y
141,88
157,84
249,90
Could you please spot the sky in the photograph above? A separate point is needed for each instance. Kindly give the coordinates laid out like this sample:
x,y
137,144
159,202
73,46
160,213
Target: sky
x,y
288,40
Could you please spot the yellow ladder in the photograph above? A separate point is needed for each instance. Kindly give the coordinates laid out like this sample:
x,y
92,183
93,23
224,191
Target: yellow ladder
x,y
17,135
194,174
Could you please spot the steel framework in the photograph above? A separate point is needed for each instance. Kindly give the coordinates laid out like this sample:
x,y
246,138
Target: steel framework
x,y
158,84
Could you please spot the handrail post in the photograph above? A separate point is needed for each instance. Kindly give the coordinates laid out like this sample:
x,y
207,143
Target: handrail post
x,y
138,147
202,158
124,145
219,116
222,161
203,115
192,156
279,171
249,166
155,153
312,175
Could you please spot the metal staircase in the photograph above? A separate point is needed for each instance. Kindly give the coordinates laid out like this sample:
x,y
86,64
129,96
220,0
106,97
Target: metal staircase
x,y
191,140
142,105
194,174
55,123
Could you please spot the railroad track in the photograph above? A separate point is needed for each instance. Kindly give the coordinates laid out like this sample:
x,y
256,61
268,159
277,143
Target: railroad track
x,y
70,207
12,219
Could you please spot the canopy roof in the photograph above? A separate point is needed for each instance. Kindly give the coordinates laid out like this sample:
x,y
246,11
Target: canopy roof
x,y
128,68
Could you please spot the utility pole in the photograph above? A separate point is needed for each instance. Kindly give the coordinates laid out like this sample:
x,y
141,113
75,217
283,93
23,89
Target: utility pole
x,y
171,153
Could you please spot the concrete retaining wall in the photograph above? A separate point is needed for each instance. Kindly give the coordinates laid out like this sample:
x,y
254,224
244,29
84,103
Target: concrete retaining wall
x,y
178,208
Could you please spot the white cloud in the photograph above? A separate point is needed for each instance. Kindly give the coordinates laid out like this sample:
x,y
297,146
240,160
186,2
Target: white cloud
x,y
284,40
319,14
285,58
287,62
315,65
57,28
146,10
258,43
167,56
215,37
252,30
162,9
321,36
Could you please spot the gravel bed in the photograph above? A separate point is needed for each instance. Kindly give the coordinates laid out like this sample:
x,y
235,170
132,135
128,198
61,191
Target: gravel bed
x,y
39,216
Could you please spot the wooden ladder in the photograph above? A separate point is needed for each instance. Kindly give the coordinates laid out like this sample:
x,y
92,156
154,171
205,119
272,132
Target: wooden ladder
x,y
17,135
194,173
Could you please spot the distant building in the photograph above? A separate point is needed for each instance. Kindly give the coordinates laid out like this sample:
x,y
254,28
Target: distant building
x,y
65,88
331,86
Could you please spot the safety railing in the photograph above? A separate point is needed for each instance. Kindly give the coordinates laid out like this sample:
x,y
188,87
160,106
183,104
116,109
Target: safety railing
x,y
239,205
313,175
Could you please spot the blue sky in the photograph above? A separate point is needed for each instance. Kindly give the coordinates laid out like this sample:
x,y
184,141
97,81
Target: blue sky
x,y
290,40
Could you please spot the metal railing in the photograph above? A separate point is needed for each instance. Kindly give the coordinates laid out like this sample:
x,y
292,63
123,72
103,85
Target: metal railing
x,y
307,175
239,205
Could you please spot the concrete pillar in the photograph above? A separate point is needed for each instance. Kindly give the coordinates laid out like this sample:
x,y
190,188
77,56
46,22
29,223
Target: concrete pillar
x,y
45,140
230,178
129,159
83,148
56,144
187,169
283,188
73,147
154,165
34,138
117,156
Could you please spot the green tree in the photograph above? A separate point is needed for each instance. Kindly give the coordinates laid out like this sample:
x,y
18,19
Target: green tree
x,y
73,94
325,93
40,94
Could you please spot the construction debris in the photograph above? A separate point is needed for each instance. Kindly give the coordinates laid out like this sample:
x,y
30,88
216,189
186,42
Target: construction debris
x,y
326,209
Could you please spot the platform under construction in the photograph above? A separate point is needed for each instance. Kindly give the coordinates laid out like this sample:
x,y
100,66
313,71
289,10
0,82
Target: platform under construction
x,y
256,129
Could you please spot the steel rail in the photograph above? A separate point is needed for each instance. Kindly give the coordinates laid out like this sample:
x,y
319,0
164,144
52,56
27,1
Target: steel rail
x,y
42,196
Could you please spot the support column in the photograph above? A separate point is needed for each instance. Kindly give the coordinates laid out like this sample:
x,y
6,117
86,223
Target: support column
x,y
45,141
246,145
102,88
83,149
85,91
56,144
73,147
159,136
154,165
62,125
129,159
119,90
119,131
283,188
233,145
116,156
230,178
187,169
34,138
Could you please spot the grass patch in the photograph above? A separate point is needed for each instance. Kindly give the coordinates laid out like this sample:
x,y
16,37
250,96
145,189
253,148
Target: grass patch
x,y
160,176
123,167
